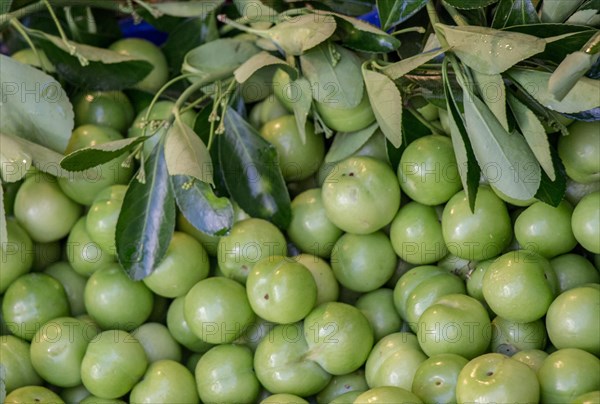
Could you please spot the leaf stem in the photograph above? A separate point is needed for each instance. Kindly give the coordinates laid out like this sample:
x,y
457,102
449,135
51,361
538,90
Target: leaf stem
x,y
419,30
22,30
456,16
435,129
72,48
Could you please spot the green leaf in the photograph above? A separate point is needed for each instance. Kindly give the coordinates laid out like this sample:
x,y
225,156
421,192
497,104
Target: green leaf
x,y
469,4
256,12
491,88
107,70
361,36
398,69
583,96
260,61
585,17
302,105
568,73
346,144
251,171
505,158
193,8
534,134
14,161
188,35
218,59
5,8
386,101
201,207
186,154
34,106
514,12
490,51
469,170
558,11
393,12
93,156
147,219
299,34
553,192
334,80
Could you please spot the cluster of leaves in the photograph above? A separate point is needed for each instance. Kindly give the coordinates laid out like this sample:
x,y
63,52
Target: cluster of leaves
x,y
504,70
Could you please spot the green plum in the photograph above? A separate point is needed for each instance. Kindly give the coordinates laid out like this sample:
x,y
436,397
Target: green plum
x,y
566,374
281,290
16,362
165,381
416,234
225,374
361,195
217,310
363,262
113,363
496,378
248,241
436,378
339,337
573,319
510,337
378,307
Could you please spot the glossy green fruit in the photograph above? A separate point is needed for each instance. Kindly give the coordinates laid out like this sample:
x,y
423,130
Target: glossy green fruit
x,y
378,307
113,363
310,229
568,373
510,337
585,222
165,381
284,398
428,171
16,360
387,394
101,219
573,319
455,323
33,394
534,358
363,262
282,364
16,254
361,195
248,242
105,108
180,329
225,374
394,361
57,350
281,290
29,57
339,337
217,310
115,301
580,151
158,343
43,209
138,48
516,286
480,235
328,289
436,378
573,270
184,264
546,230
298,159
32,300
85,255
416,234
341,385
496,378
346,119
72,282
